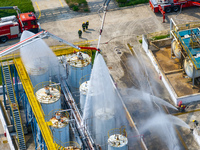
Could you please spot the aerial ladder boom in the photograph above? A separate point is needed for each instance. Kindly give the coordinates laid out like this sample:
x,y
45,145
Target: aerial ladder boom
x,y
33,38
105,5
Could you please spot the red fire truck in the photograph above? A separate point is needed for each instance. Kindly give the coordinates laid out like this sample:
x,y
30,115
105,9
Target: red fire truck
x,y
171,5
12,26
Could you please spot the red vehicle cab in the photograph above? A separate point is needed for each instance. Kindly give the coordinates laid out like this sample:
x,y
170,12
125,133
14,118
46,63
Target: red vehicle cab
x,y
29,22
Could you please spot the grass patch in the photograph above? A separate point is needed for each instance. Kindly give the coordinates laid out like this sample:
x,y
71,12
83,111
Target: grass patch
x,y
23,5
78,5
140,41
123,3
159,37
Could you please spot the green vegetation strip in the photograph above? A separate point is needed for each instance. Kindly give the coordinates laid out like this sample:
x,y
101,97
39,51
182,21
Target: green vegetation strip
x,y
123,3
78,5
159,37
23,5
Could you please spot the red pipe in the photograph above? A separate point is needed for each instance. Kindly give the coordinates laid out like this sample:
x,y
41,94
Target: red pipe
x,y
162,12
90,48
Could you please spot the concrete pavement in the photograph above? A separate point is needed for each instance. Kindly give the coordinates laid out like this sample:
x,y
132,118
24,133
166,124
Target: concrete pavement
x,y
95,5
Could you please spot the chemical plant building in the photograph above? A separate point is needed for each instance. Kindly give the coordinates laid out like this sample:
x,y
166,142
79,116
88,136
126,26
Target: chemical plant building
x,y
66,99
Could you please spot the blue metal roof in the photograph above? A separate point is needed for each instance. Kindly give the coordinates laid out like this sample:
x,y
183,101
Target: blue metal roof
x,y
194,53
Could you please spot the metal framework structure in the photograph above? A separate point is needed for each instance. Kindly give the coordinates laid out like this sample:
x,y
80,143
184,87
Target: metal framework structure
x,y
32,108
33,111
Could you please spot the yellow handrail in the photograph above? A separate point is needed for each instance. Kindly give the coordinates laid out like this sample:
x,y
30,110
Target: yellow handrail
x,y
57,52
35,105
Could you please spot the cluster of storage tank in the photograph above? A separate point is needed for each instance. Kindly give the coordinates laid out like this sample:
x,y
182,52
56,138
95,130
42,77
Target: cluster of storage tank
x,y
43,67
78,66
187,63
49,95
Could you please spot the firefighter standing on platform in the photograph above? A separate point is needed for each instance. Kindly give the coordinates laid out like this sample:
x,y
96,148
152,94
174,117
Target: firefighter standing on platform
x,y
83,26
79,33
87,24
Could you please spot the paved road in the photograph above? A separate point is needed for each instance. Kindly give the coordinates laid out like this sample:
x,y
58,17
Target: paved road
x,y
95,5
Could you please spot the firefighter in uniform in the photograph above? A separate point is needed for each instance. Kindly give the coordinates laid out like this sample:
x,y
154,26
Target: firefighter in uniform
x,y
87,24
195,124
182,109
83,26
79,33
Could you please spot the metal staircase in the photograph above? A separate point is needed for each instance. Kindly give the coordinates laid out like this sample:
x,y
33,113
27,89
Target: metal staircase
x,y
14,106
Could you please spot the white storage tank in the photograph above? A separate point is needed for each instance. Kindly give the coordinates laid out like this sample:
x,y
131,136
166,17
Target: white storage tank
x,y
37,70
78,66
188,67
117,142
176,48
60,128
49,96
83,93
36,67
104,121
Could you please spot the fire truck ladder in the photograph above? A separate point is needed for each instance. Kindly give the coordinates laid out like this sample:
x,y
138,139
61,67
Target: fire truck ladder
x,y
14,106
36,107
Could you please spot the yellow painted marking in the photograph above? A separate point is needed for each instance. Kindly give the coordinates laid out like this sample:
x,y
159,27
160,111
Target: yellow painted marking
x,y
61,3
181,113
76,43
181,139
5,141
39,10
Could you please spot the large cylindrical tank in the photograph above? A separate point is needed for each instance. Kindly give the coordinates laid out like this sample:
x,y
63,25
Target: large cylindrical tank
x,y
83,92
104,121
78,66
60,128
176,48
37,67
188,67
37,70
117,142
49,96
